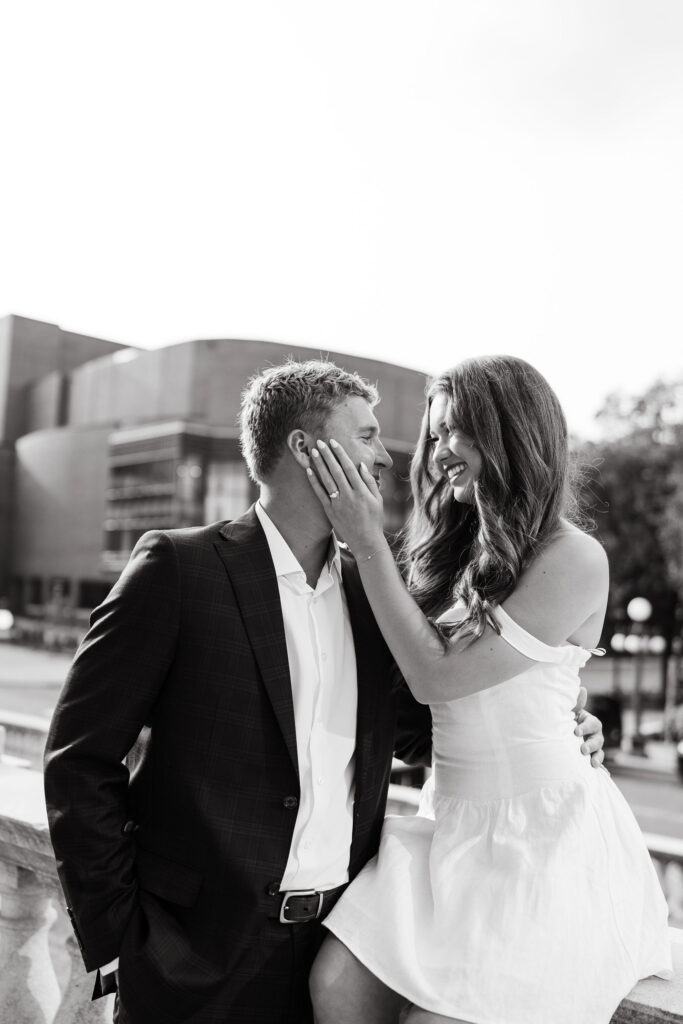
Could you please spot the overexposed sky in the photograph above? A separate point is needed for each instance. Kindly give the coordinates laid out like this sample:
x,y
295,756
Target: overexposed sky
x,y
412,181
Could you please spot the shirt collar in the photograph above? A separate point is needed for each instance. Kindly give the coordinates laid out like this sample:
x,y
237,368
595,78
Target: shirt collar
x,y
284,560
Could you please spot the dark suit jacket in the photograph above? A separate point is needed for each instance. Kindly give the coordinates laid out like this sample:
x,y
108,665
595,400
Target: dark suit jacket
x,y
172,860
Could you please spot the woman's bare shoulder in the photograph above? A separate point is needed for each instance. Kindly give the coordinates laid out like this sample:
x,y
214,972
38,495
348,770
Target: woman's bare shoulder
x,y
564,586
575,552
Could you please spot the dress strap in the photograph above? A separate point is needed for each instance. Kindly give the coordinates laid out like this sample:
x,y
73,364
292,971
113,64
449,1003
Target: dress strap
x,y
530,646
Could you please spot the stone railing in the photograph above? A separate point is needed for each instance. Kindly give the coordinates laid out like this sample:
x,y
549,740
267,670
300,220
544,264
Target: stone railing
x,y
667,855
22,738
42,978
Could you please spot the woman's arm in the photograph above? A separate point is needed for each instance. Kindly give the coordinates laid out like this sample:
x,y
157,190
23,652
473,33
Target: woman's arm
x,y
565,586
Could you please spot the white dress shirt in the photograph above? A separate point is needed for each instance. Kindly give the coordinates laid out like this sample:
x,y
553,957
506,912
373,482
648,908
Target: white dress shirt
x,y
322,668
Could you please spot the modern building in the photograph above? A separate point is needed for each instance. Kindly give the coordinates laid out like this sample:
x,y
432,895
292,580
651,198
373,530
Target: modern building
x,y
100,442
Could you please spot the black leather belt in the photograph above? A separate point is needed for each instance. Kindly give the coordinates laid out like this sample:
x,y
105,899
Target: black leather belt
x,y
301,905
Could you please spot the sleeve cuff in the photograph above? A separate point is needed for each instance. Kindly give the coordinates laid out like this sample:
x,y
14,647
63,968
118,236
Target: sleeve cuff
x,y
113,965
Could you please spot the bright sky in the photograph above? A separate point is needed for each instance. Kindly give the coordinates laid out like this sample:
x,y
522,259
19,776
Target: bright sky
x,y
413,181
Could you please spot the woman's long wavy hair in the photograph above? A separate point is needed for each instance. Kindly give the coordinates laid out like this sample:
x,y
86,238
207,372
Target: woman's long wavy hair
x,y
476,552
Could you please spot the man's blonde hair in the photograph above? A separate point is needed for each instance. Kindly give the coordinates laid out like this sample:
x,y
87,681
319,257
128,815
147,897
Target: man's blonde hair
x,y
291,396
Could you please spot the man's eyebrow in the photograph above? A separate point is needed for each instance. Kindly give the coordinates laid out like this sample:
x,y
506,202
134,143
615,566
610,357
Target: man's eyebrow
x,y
374,429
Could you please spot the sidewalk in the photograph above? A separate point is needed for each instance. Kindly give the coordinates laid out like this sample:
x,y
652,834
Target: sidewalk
x,y
659,758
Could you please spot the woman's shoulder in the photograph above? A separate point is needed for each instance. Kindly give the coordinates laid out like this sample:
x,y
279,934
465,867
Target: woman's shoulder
x,y
564,586
572,562
575,550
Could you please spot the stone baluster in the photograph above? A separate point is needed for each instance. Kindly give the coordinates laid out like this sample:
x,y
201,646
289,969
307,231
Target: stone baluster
x,y
673,890
29,992
77,1006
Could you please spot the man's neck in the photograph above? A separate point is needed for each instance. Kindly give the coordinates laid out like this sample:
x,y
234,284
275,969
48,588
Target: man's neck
x,y
303,524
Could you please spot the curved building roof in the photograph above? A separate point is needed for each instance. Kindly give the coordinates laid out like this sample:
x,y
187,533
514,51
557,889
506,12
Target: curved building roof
x,y
202,381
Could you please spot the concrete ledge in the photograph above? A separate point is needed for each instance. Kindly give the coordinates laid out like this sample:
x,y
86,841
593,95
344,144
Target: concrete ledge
x,y
654,999
24,736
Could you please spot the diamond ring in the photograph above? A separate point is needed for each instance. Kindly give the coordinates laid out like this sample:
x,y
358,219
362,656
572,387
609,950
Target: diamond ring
x,y
334,494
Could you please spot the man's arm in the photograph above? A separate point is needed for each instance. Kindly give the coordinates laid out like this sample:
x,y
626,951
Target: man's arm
x,y
590,728
413,740
107,698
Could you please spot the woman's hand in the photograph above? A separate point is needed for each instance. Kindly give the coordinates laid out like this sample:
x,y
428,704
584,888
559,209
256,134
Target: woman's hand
x,y
350,497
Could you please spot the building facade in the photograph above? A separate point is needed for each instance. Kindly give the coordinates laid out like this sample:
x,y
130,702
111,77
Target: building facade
x,y
104,442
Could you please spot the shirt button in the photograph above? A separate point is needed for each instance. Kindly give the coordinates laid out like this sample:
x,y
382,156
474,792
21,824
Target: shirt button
x,y
323,656
290,802
320,780
273,889
307,844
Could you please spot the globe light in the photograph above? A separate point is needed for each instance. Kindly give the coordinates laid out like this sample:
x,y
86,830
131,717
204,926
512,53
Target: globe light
x,y
617,642
639,609
656,645
632,643
6,620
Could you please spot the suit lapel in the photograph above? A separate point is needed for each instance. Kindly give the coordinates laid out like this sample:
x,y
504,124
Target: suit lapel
x,y
245,553
365,643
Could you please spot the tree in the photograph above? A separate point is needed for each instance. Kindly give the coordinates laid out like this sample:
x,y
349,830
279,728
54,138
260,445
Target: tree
x,y
633,491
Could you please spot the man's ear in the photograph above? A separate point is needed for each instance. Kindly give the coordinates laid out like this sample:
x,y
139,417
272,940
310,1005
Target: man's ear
x,y
299,444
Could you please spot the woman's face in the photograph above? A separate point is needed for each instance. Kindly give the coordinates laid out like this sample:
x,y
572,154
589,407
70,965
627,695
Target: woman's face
x,y
454,455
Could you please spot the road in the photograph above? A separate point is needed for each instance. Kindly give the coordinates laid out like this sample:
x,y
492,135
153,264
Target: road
x,y
30,682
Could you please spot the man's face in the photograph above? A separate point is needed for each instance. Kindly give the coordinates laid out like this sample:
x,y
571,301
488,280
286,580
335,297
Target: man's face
x,y
353,424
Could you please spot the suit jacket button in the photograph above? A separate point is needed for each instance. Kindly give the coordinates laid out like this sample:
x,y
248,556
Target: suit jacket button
x,y
290,802
273,888
129,827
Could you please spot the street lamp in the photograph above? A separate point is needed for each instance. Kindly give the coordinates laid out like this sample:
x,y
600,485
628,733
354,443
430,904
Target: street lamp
x,y
639,611
6,623
637,643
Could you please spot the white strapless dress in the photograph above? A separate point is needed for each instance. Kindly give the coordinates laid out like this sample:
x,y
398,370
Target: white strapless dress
x,y
522,892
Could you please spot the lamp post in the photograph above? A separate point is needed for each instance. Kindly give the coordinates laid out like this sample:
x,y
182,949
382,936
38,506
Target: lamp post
x,y
639,611
674,694
637,643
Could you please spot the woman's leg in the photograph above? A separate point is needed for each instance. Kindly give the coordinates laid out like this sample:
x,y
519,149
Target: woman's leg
x,y
343,991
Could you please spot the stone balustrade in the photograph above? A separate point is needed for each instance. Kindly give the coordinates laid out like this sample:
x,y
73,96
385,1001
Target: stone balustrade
x,y
667,855
22,738
42,978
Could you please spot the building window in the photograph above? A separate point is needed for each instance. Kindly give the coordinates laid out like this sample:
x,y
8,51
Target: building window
x,y
59,588
16,594
113,539
34,590
228,491
91,593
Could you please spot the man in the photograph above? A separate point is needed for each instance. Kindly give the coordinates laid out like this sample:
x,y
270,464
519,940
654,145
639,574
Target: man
x,y
239,668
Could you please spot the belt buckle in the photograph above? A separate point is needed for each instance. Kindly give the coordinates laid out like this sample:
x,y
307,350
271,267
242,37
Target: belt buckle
x,y
300,892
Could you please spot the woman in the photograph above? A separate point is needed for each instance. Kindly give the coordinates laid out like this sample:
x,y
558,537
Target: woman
x,y
522,892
